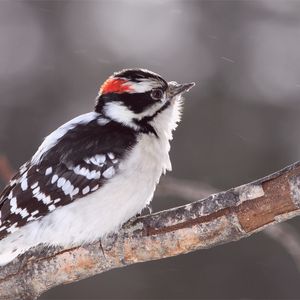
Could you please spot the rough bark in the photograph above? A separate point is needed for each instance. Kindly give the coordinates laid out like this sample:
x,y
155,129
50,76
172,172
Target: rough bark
x,y
220,218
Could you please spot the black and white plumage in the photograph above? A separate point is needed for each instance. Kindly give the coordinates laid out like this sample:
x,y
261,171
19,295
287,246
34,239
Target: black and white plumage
x,y
95,172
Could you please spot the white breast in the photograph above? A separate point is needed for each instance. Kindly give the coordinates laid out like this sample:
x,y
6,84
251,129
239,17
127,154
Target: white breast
x,y
118,200
105,210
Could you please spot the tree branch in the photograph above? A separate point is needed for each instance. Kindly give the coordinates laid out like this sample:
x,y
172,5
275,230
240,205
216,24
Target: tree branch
x,y
218,219
284,234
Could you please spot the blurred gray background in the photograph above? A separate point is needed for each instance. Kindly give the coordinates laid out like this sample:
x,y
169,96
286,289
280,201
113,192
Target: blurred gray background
x,y
240,122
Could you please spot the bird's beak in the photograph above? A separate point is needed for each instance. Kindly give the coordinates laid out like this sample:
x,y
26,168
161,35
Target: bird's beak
x,y
175,88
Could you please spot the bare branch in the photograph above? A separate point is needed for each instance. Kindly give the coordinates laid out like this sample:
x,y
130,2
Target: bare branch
x,y
218,219
284,234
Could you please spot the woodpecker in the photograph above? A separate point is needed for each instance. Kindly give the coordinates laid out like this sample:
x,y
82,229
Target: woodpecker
x,y
95,172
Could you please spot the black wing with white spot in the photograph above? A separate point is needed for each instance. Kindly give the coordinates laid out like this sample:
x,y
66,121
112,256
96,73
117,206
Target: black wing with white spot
x,y
78,164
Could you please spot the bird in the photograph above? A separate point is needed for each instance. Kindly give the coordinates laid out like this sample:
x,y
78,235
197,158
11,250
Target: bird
x,y
95,172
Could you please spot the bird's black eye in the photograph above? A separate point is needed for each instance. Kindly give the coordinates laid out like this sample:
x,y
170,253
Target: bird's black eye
x,y
157,94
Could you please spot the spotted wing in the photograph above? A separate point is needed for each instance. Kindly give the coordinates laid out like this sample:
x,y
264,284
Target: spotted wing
x,y
37,190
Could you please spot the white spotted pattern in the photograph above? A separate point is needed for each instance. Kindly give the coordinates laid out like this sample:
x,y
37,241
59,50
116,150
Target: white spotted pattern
x,y
85,190
75,192
13,228
97,160
13,205
23,168
61,181
42,197
109,173
95,188
23,212
68,188
51,207
54,179
100,159
48,171
34,185
36,190
32,216
24,184
35,212
111,155
87,173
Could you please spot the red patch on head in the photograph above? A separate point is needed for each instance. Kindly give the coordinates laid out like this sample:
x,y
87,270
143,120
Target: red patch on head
x,y
114,85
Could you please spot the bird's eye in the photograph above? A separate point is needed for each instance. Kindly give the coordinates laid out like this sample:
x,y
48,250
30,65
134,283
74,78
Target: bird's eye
x,y
157,94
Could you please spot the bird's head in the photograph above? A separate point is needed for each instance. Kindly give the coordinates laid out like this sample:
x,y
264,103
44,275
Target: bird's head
x,y
138,98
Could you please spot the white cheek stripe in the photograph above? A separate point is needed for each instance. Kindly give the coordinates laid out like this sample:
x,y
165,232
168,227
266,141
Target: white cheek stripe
x,y
118,112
